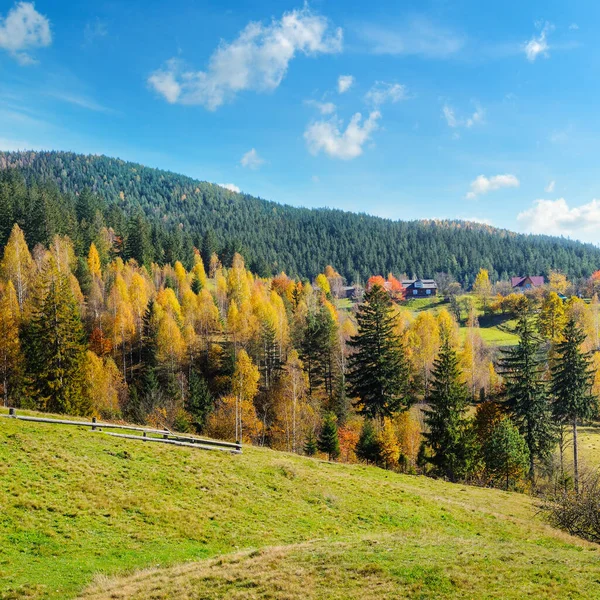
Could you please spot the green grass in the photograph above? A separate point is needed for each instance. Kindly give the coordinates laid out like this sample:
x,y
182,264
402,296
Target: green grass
x,y
80,508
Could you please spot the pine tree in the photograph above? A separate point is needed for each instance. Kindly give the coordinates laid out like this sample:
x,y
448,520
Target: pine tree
x,y
379,373
328,439
55,348
138,244
572,378
525,393
199,401
310,444
506,455
367,448
447,434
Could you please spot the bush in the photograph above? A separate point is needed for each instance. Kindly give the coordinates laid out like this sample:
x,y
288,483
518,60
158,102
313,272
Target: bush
x,y
577,514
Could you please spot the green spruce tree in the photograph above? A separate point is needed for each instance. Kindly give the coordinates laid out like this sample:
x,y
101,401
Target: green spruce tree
x,y
199,401
328,442
525,393
378,369
506,455
572,378
55,348
310,444
448,432
367,447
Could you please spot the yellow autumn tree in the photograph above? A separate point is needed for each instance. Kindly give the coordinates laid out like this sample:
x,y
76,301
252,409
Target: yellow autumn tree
x,y
551,318
483,287
244,385
93,262
104,386
10,346
17,264
389,449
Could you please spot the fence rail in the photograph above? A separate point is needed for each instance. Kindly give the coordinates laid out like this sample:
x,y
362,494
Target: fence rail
x,y
147,434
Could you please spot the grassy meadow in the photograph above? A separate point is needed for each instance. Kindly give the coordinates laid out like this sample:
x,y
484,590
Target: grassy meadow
x,y
86,515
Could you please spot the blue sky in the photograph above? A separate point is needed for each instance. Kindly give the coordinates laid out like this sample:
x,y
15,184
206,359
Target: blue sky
x,y
424,109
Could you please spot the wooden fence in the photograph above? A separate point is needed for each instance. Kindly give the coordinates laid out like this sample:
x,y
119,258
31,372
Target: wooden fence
x,y
144,434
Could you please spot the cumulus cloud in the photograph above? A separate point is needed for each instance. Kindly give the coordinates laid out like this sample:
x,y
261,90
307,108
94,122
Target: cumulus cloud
x,y
556,217
483,184
538,45
383,92
329,136
252,160
550,187
230,186
345,82
256,60
22,30
477,118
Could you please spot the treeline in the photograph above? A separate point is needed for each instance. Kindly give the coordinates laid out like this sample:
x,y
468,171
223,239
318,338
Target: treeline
x,y
174,214
275,361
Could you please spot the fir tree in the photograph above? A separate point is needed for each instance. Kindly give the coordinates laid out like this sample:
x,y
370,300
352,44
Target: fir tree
x,y
55,348
310,444
199,402
367,448
572,378
447,435
328,439
379,373
526,396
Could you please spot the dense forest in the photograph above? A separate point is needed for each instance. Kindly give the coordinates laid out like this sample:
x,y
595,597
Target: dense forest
x,y
158,216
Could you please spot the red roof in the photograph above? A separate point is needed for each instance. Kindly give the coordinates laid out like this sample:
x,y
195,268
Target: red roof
x,y
536,281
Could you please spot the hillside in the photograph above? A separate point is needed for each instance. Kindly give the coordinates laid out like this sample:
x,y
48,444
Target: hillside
x,y
300,241
80,509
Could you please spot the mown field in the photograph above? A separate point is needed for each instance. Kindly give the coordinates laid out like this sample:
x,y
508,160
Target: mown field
x,y
83,513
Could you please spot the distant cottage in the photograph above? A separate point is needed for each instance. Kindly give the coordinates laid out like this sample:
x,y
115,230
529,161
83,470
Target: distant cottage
x,y
526,283
419,288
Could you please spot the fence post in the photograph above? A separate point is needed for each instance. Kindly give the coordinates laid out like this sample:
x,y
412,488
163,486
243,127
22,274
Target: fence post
x,y
166,434
93,421
12,412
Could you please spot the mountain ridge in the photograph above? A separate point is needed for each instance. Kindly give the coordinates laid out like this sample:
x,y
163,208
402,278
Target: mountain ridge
x,y
303,240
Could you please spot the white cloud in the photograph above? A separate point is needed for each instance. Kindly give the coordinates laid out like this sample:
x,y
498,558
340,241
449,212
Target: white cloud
x,y
252,160
325,108
483,185
573,27
345,82
556,217
328,137
256,60
420,38
449,115
230,186
538,45
477,118
550,187
22,30
383,92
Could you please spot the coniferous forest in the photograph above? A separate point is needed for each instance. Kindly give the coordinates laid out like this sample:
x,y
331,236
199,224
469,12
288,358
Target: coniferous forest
x,y
158,216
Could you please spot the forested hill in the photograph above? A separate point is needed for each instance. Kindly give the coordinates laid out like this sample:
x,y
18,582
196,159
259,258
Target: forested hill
x,y
179,211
